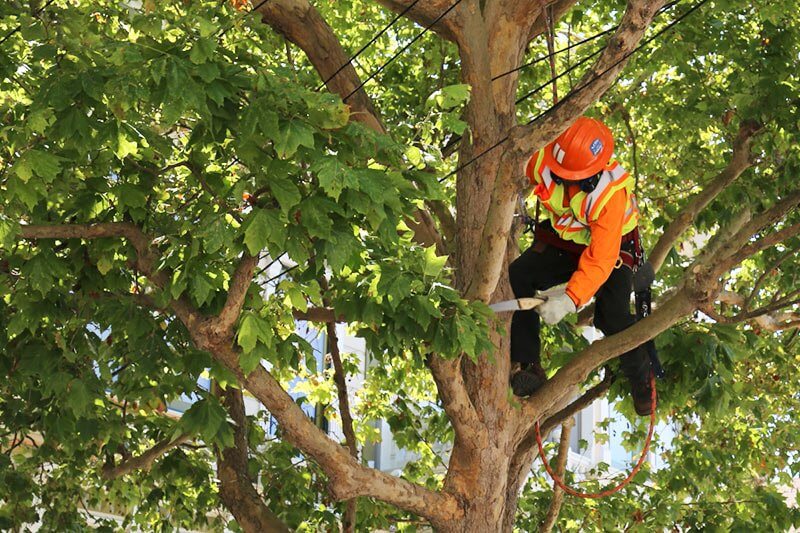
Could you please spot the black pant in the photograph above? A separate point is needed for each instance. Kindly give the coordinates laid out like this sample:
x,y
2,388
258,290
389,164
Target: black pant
x,y
543,266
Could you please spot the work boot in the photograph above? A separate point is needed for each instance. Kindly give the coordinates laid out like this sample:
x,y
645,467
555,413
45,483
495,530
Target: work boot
x,y
642,395
528,379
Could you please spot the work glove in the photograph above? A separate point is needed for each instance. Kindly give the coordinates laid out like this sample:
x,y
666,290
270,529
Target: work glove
x,y
557,306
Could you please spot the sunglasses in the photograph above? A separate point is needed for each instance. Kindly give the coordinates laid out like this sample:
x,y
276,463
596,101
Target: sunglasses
x,y
586,185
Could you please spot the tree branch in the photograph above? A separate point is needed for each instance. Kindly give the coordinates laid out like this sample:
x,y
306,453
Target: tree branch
x,y
302,24
581,403
525,449
739,162
561,466
736,249
146,257
769,318
463,415
339,377
236,488
681,303
318,314
425,231
132,233
237,291
699,286
767,271
144,461
426,12
349,478
762,244
447,222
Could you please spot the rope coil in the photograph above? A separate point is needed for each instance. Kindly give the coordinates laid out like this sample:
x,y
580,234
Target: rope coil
x,y
609,491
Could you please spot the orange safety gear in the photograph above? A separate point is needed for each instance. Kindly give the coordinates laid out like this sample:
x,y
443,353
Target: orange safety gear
x,y
596,219
580,152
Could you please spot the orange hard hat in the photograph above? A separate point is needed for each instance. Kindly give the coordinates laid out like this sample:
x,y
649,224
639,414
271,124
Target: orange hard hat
x,y
580,152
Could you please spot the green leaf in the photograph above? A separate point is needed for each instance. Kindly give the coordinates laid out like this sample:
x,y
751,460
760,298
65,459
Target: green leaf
x,y
249,360
248,333
268,124
329,117
105,264
202,289
44,164
179,283
206,27
331,173
22,168
40,270
317,215
294,296
258,231
433,263
215,236
131,195
28,193
414,156
291,136
202,50
253,329
125,147
78,397
208,72
450,96
286,192
204,417
39,120
8,232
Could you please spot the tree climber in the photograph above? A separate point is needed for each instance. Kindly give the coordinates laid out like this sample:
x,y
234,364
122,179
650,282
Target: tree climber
x,y
590,240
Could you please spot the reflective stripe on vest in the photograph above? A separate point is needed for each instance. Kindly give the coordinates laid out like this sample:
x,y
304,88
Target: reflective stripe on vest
x,y
572,221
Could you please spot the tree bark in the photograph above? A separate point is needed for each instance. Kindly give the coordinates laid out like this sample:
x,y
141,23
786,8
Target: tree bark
x,y
236,489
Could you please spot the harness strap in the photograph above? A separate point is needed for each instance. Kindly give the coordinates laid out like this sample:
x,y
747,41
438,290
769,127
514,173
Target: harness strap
x,y
633,258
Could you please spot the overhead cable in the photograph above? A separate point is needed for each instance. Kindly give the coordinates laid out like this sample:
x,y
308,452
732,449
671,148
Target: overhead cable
x,y
574,92
371,41
402,50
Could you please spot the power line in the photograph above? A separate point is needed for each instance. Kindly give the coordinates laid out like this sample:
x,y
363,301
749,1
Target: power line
x,y
555,53
582,87
527,95
559,76
575,45
402,50
454,141
371,41
18,28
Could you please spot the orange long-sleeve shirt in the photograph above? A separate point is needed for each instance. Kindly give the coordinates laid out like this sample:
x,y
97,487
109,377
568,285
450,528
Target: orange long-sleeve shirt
x,y
599,258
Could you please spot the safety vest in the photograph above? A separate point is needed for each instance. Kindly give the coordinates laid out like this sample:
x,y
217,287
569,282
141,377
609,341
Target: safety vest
x,y
571,221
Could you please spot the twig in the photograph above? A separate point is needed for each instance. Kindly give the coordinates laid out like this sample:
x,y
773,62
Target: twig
x,y
561,467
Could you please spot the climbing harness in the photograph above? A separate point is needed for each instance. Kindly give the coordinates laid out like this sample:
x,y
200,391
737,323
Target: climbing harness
x,y
609,491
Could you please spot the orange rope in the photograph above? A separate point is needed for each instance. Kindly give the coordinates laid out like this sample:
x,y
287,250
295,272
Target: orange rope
x,y
602,494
